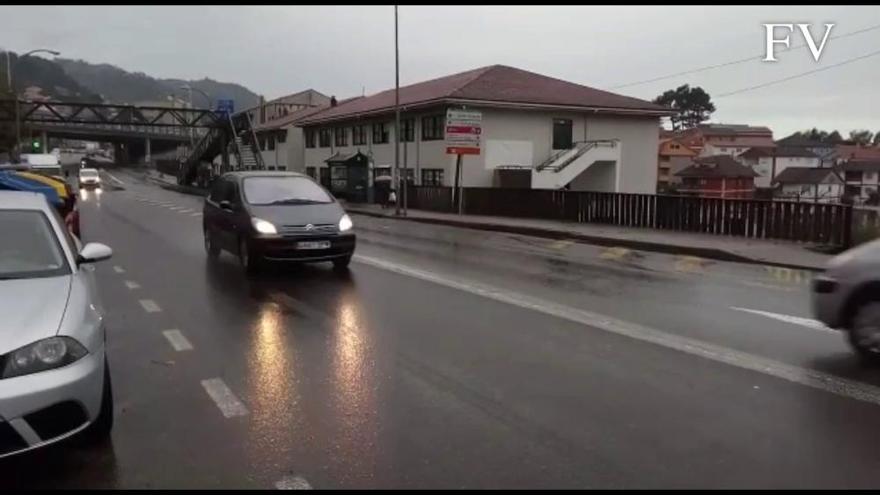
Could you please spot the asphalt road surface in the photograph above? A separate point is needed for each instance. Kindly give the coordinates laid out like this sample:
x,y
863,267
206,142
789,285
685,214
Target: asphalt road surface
x,y
455,358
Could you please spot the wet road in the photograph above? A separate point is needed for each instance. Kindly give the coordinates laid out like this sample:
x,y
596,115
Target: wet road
x,y
453,358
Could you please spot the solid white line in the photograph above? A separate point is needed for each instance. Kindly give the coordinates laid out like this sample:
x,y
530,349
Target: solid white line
x,y
118,269
293,483
175,208
150,306
186,210
804,376
196,214
177,340
794,320
132,285
228,403
115,179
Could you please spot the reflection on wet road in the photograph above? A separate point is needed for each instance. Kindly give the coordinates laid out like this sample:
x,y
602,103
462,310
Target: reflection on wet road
x,y
451,358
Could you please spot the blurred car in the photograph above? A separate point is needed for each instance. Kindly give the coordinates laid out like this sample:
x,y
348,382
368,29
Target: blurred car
x,y
276,216
54,378
89,177
846,296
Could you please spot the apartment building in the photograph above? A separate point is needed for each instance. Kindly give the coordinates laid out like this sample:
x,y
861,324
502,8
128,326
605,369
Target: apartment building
x,y
556,133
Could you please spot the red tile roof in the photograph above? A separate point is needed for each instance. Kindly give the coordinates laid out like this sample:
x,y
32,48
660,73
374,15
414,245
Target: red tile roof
x,y
717,166
495,83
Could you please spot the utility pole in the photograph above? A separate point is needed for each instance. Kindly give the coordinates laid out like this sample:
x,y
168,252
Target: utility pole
x,y
396,117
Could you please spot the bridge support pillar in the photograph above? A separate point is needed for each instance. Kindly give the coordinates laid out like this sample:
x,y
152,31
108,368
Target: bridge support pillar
x,y
148,156
44,142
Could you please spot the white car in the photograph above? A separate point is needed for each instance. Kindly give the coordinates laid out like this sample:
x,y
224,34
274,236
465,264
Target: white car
x,y
89,177
846,296
54,378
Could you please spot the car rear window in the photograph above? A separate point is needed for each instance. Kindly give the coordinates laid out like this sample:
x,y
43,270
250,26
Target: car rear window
x,y
29,247
283,190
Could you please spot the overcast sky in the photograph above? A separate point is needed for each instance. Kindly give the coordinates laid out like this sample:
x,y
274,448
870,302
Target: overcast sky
x,y
342,51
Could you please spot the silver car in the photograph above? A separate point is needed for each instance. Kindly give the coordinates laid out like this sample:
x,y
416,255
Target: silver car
x,y
54,378
89,177
846,296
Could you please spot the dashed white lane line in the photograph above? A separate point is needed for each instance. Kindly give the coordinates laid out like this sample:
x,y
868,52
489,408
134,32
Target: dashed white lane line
x,y
132,285
175,208
804,376
794,320
226,401
196,214
115,179
150,306
186,210
177,340
293,483
118,269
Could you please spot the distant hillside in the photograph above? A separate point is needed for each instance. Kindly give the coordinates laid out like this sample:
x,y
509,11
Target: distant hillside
x,y
119,86
37,78
78,80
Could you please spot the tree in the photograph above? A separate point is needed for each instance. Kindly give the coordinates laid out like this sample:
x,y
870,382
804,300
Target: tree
x,y
861,136
877,139
693,106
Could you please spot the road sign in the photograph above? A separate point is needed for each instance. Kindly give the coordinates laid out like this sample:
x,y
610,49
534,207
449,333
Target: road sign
x,y
464,130
225,106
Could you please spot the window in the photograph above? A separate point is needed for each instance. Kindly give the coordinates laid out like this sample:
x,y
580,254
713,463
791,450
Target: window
x,y
432,127
381,171
310,138
664,158
324,138
432,176
262,140
380,133
359,135
283,190
853,176
312,172
562,133
674,146
340,137
407,130
281,136
34,250
271,140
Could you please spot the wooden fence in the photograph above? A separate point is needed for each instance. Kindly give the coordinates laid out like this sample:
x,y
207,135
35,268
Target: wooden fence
x,y
751,218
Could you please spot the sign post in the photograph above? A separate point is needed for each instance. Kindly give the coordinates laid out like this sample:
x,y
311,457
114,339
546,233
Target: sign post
x,y
464,129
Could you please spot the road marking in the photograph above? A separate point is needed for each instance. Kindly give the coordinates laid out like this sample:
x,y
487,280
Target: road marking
x,y
690,264
177,340
795,374
794,320
293,483
175,208
118,269
150,306
132,285
226,401
788,275
186,210
115,179
768,286
196,214
560,244
615,253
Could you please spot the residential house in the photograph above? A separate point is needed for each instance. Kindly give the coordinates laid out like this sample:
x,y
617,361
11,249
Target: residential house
x,y
673,157
815,184
554,133
280,141
267,111
719,176
844,152
819,148
861,178
733,139
769,162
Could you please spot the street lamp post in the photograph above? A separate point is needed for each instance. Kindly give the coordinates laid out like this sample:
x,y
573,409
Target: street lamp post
x,y
190,90
397,119
9,81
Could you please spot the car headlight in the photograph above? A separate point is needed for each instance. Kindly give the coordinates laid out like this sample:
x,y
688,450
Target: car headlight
x,y
345,223
42,355
263,227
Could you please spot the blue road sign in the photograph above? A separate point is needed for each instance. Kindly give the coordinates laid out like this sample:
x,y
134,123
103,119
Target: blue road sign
x,y
225,106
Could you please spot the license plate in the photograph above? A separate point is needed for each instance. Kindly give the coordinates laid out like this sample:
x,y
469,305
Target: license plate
x,y
313,245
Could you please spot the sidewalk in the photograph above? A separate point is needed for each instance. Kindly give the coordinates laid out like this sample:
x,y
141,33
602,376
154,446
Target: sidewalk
x,y
779,253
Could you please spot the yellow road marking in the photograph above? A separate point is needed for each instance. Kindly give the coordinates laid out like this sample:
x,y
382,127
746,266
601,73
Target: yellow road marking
x,y
615,253
561,244
690,264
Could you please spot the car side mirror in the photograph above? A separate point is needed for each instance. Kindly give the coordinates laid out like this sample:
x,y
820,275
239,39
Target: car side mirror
x,y
226,205
94,251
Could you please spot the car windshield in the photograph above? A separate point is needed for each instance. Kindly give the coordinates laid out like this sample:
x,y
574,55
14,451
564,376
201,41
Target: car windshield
x,y
88,173
283,190
28,246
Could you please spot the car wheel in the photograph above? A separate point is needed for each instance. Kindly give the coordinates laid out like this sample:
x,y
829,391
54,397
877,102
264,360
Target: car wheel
x,y
864,332
100,428
341,264
249,261
210,245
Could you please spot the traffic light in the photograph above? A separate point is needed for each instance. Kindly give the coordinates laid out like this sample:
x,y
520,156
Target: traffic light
x,y
36,144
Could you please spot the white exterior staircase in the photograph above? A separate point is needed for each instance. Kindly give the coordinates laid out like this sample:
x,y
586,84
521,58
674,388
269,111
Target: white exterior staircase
x,y
561,168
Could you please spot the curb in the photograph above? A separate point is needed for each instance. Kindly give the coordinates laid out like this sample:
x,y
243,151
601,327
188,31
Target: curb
x,y
709,253
193,191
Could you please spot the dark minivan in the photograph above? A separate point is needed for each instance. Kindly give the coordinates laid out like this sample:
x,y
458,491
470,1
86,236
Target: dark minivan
x,y
276,216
